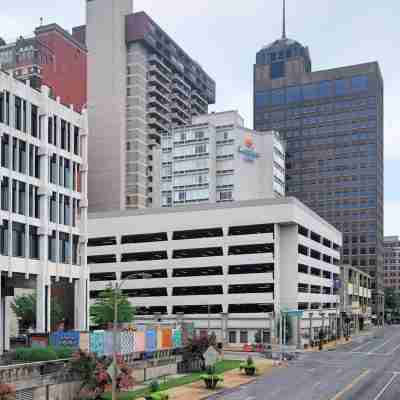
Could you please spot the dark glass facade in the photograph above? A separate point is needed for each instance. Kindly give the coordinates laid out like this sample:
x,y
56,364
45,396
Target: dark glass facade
x,y
333,123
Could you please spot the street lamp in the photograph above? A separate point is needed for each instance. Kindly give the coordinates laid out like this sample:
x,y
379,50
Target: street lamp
x,y
117,289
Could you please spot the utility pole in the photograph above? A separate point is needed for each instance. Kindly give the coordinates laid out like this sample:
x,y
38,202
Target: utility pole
x,y
117,291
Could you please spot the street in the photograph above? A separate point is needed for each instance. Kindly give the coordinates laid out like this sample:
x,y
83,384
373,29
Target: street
x,y
356,371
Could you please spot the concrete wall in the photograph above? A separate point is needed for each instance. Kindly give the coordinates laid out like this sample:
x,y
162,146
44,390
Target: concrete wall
x,y
107,101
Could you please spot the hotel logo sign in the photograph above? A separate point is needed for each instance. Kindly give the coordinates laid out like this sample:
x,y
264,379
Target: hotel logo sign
x,y
248,151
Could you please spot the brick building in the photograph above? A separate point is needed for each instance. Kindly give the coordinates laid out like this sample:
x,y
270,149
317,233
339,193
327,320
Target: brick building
x,y
52,57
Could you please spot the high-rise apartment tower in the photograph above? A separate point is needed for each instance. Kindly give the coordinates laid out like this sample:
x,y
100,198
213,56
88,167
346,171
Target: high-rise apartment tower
x,y
140,84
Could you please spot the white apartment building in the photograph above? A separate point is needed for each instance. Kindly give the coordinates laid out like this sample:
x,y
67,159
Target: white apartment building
x,y
216,159
229,267
43,210
140,84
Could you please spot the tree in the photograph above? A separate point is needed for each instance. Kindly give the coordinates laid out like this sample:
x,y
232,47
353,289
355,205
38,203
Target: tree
x,y
24,307
392,301
102,311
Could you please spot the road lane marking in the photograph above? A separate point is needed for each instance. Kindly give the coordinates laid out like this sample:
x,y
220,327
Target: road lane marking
x,y
394,376
381,345
393,351
351,385
359,347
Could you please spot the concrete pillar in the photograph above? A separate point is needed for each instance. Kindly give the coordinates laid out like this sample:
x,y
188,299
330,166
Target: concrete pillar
x,y
81,302
2,325
311,328
6,310
43,312
224,328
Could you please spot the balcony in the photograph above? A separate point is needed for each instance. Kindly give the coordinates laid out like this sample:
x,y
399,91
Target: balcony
x,y
154,69
153,79
157,124
153,100
157,60
196,95
200,107
182,110
176,118
179,78
178,88
160,114
155,90
154,135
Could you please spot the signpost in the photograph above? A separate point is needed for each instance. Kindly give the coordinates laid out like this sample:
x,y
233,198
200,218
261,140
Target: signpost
x,y
211,356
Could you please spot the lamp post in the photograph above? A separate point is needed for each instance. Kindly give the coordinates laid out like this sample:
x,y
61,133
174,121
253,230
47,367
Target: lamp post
x,y
117,289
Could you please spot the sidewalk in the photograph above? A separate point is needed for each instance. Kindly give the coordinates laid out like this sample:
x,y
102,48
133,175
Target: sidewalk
x,y
232,379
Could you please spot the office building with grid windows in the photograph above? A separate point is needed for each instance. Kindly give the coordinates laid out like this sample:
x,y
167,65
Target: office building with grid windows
x,y
216,159
229,266
43,213
392,262
332,122
141,83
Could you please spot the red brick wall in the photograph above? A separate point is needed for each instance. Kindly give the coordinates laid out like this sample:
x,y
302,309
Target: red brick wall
x,y
66,75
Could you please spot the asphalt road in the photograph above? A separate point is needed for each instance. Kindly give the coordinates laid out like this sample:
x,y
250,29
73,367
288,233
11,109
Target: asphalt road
x,y
368,370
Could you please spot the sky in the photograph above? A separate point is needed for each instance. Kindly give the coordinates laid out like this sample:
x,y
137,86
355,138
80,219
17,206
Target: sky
x,y
224,36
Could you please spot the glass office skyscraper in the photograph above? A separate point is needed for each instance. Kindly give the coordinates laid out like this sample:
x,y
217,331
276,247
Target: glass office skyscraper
x,y
332,121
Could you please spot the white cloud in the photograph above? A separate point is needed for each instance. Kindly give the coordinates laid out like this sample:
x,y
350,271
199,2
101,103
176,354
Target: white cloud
x,y
392,218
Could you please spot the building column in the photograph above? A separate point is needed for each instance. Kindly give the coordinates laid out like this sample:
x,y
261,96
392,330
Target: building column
x,y
6,318
224,328
80,304
2,325
43,312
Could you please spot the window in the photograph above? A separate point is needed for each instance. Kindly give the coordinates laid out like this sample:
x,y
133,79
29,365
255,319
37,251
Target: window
x,y
225,196
22,157
341,87
5,151
102,241
303,250
293,94
18,232
310,92
76,140
4,237
102,259
262,99
359,83
18,113
52,247
15,154
232,336
22,200
243,337
14,196
5,194
303,231
303,269
325,89
277,97
53,207
63,247
277,70
33,242
34,120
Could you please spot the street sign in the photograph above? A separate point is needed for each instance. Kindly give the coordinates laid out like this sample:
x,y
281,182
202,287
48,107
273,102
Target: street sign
x,y
211,356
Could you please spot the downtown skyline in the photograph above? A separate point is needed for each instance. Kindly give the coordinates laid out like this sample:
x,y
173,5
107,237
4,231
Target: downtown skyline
x,y
236,32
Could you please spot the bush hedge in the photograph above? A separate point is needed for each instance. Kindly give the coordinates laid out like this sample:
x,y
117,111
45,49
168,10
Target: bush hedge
x,y
36,354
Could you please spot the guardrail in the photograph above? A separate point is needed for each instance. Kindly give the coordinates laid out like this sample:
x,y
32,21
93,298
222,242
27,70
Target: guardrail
x,y
30,375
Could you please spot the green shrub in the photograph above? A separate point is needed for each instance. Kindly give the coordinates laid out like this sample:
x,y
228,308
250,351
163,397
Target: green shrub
x,y
36,354
154,386
63,352
157,396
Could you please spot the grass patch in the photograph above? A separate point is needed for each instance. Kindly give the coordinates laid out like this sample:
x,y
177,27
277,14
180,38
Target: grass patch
x,y
220,367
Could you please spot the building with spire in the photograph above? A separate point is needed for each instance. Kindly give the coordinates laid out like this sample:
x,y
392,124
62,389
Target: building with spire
x,y
332,121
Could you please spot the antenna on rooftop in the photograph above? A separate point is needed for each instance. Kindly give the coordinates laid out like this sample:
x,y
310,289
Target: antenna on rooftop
x,y
284,20
41,21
